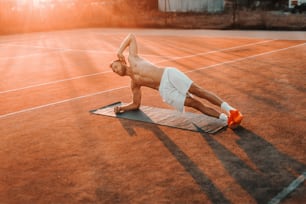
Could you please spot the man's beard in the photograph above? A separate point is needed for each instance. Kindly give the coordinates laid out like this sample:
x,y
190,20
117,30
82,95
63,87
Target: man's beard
x,y
123,70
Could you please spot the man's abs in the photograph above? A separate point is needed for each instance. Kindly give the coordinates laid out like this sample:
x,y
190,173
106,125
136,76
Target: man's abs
x,y
152,81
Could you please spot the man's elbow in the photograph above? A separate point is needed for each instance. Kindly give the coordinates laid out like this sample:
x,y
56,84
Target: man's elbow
x,y
136,106
132,36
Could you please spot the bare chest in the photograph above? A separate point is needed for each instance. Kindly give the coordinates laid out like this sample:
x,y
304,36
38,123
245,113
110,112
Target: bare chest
x,y
147,81
145,73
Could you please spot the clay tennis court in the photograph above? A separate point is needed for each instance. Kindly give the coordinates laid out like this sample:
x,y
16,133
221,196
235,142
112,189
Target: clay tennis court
x,y
53,150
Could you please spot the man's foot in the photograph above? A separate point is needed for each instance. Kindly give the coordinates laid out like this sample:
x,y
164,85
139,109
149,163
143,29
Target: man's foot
x,y
234,119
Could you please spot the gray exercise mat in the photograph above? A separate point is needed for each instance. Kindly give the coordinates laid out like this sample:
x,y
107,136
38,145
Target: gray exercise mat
x,y
166,117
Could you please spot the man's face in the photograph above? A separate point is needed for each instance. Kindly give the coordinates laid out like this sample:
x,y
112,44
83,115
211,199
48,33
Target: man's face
x,y
118,68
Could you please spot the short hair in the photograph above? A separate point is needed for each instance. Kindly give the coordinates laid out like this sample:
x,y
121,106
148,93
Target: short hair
x,y
111,64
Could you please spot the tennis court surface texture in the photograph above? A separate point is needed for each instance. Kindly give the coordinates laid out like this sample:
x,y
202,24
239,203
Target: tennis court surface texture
x,y
53,150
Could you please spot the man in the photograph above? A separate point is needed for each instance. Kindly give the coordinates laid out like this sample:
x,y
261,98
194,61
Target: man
x,y
175,87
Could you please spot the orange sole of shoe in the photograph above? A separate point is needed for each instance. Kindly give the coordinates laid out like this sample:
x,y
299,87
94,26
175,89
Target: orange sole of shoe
x,y
234,125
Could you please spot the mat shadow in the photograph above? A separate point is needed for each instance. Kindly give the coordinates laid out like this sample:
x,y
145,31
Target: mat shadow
x,y
274,169
206,185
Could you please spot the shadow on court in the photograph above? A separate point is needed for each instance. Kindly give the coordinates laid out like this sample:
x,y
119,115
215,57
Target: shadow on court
x,y
195,172
275,170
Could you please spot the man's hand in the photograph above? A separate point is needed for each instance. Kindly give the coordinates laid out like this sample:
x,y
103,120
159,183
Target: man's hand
x,y
121,58
129,107
117,109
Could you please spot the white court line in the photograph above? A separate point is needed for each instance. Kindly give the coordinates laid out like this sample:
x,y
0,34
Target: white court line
x,y
106,91
59,49
4,42
215,51
54,82
60,102
286,191
171,59
245,58
112,52
30,55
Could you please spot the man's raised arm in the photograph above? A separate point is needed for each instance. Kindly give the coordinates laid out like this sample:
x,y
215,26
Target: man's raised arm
x,y
129,41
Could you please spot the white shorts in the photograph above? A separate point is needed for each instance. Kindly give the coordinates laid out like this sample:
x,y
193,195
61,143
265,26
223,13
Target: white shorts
x,y
174,88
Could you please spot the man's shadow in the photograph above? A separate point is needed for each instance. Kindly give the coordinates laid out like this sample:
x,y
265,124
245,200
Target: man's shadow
x,y
206,185
275,170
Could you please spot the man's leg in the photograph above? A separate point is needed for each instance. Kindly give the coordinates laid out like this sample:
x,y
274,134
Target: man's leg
x,y
194,103
235,116
202,93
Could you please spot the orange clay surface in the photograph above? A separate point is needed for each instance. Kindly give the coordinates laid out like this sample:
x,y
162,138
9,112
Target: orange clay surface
x,y
52,150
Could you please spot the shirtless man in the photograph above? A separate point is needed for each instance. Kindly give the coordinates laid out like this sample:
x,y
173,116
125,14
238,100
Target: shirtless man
x,y
175,87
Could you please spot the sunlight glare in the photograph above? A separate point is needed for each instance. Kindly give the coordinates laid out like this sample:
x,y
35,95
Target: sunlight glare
x,y
35,3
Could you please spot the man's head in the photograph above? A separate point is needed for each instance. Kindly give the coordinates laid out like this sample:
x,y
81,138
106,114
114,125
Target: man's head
x,y
119,67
